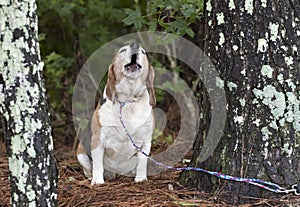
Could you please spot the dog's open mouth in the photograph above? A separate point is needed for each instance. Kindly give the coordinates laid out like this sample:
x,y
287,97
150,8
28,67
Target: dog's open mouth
x,y
133,65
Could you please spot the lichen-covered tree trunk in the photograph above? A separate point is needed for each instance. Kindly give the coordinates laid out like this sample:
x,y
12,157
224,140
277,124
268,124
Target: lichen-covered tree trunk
x,y
255,46
32,167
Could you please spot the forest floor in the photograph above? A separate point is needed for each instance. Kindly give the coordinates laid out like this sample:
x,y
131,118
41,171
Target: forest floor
x,y
159,190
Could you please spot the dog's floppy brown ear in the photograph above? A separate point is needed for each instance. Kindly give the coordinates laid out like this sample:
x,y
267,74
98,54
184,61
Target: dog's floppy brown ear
x,y
111,83
150,84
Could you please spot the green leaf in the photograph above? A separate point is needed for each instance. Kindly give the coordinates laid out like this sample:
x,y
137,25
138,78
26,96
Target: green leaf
x,y
131,16
188,10
42,36
53,56
83,123
178,23
129,11
179,26
162,23
190,32
134,17
152,26
175,4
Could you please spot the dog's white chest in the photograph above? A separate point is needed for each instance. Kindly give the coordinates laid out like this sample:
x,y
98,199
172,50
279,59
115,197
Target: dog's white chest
x,y
134,114
120,154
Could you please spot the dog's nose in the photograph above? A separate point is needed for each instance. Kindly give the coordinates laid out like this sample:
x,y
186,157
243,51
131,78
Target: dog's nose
x,y
134,45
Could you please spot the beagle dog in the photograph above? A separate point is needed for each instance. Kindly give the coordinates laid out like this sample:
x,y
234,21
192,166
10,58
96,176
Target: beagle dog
x,y
130,81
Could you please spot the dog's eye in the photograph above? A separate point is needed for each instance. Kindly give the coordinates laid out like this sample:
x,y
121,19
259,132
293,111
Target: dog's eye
x,y
123,50
144,52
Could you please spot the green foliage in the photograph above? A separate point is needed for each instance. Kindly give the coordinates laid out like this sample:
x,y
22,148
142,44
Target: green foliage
x,y
159,138
57,68
83,123
70,31
168,15
87,23
134,17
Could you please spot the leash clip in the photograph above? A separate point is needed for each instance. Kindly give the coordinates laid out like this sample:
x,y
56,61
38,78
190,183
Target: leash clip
x,y
295,189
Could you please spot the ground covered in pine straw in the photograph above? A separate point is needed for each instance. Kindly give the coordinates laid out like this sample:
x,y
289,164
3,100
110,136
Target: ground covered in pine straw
x,y
160,190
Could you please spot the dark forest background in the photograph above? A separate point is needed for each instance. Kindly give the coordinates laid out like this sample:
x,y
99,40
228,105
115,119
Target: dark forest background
x,y
70,31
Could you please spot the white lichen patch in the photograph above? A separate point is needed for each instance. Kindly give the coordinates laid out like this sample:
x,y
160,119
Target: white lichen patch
x,y
289,60
295,48
293,110
266,137
2,98
267,71
231,85
291,84
289,116
249,6
287,149
280,78
231,5
262,45
282,122
273,99
238,119
20,144
242,102
264,3
285,48
265,133
296,123
18,169
219,82
221,38
208,6
273,27
284,107
273,125
257,122
236,145
283,32
243,72
31,195
38,68
220,18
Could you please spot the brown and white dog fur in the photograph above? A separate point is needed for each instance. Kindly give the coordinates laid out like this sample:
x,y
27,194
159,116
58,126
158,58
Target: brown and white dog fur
x,y
130,80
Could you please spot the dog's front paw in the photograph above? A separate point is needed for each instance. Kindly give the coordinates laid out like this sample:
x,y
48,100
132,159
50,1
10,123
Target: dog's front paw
x,y
140,179
97,181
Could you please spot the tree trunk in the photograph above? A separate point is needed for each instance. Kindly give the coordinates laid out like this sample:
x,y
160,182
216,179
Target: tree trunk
x,y
255,46
32,167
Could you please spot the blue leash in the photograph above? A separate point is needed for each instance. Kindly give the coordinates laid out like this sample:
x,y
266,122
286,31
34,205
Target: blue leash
x,y
257,182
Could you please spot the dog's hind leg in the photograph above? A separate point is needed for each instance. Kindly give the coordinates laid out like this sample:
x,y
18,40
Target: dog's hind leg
x,y
85,161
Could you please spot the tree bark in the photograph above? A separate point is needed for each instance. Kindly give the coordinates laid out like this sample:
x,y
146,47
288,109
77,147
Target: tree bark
x,y
32,167
255,46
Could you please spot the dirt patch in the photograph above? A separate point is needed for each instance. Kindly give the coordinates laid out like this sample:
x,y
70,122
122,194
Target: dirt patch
x,y
159,190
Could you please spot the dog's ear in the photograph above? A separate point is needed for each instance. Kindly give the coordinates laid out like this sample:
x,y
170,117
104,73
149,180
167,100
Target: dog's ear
x,y
111,83
150,85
